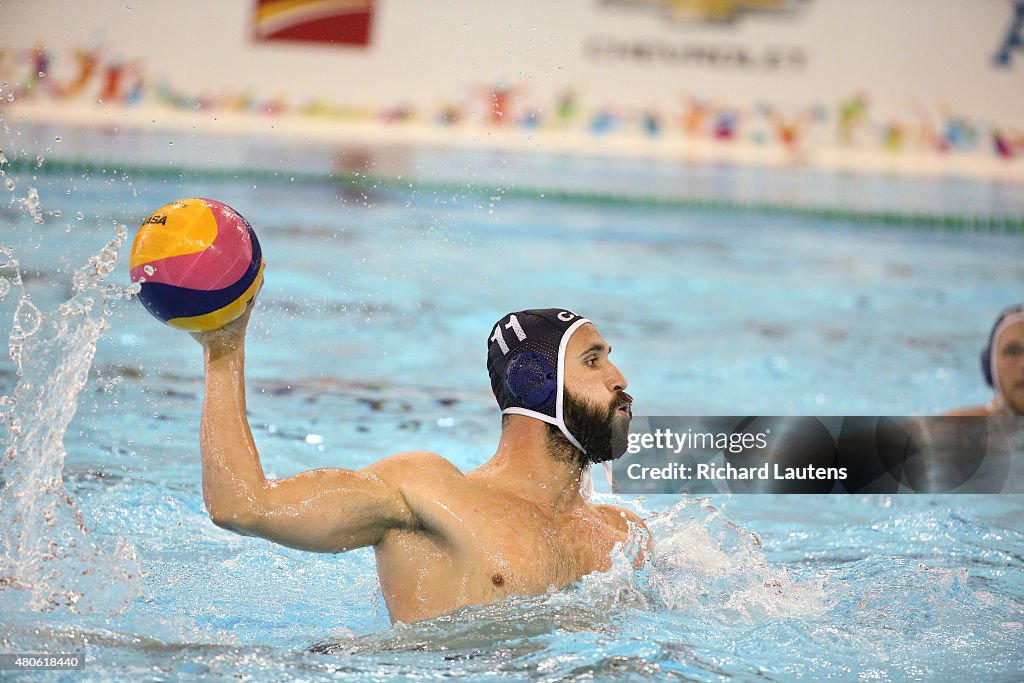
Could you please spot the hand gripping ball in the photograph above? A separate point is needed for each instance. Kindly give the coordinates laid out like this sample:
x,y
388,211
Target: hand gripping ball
x,y
198,263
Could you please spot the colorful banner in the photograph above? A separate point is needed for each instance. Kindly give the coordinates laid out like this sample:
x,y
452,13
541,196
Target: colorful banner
x,y
338,22
709,10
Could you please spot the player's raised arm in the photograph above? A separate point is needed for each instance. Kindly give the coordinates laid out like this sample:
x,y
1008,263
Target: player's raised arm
x,y
199,265
325,510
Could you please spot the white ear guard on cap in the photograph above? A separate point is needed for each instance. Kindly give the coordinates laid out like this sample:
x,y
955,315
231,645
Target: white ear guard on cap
x,y
558,419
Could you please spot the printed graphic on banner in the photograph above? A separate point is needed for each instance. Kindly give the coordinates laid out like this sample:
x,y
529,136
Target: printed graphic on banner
x,y
822,455
703,51
710,10
332,22
1013,40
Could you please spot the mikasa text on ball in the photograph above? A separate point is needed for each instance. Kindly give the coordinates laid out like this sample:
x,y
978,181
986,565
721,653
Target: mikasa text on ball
x,y
198,263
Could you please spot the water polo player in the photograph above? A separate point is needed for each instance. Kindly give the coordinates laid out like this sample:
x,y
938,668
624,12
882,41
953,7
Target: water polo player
x,y
443,539
1002,364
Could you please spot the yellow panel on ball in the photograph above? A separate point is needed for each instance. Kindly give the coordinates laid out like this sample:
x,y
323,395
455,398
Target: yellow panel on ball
x,y
186,226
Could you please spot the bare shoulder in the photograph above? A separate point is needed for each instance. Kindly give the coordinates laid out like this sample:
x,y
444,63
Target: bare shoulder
x,y
973,411
411,465
620,517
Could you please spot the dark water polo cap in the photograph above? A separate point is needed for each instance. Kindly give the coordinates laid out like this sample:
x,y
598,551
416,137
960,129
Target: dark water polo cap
x,y
1009,316
525,359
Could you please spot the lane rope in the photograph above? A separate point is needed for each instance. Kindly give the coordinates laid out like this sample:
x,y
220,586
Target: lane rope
x,y
366,181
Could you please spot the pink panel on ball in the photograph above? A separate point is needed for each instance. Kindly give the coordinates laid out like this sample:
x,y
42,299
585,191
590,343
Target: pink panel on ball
x,y
219,265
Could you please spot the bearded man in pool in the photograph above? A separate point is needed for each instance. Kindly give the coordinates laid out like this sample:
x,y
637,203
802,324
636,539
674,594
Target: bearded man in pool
x,y
517,524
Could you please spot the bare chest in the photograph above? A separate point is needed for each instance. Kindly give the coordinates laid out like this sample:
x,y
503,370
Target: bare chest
x,y
517,549
534,554
484,550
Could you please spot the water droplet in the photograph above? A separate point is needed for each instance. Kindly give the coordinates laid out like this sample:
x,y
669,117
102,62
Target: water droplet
x,y
27,320
31,202
79,215
10,184
148,269
57,138
39,161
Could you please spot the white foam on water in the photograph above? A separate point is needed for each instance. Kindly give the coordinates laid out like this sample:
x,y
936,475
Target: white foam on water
x,y
705,562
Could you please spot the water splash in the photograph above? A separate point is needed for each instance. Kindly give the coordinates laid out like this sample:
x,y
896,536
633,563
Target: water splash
x,y
706,562
33,205
8,183
48,559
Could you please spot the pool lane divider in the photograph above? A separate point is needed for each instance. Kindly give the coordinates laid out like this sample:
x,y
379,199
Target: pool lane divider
x,y
371,182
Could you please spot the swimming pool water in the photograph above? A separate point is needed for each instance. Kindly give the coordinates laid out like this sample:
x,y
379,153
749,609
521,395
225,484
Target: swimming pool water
x,y
369,339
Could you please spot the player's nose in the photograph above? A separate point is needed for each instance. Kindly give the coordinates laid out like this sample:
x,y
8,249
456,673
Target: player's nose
x,y
616,380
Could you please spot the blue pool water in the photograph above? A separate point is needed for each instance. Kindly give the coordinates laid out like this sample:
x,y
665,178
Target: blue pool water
x,y
369,340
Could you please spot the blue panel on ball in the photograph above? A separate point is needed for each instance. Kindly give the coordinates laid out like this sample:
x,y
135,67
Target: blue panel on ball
x,y
167,302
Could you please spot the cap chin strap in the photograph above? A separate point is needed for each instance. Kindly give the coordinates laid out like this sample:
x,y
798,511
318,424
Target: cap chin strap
x,y
610,477
1011,319
587,480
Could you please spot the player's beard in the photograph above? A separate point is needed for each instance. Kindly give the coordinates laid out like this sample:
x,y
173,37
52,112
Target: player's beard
x,y
601,430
